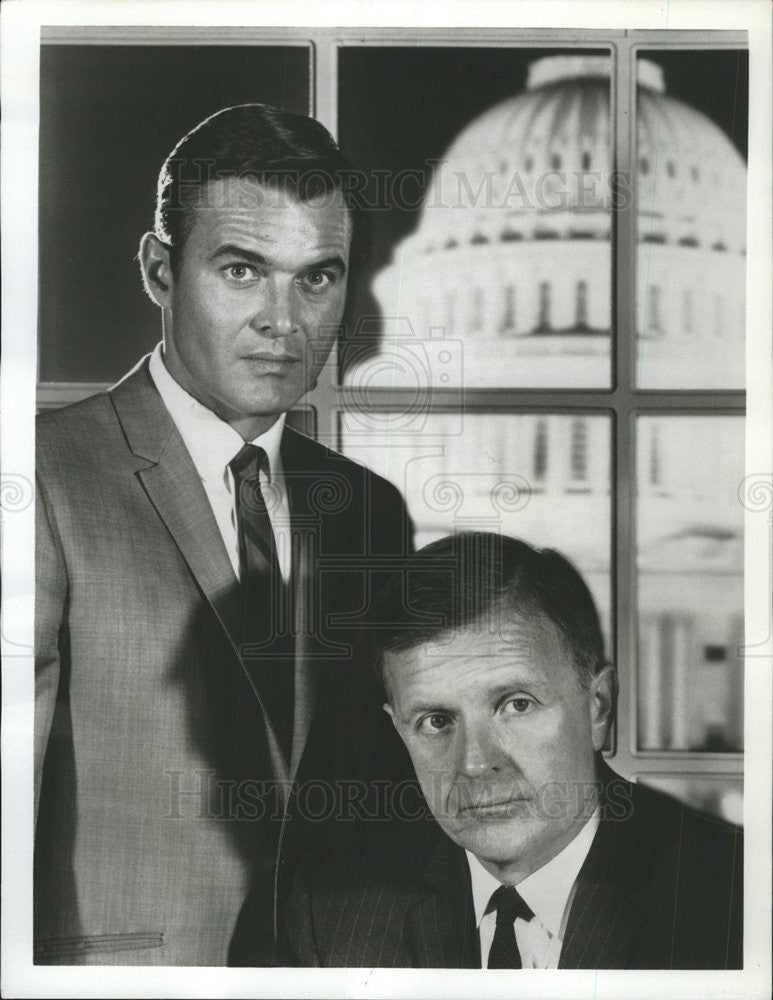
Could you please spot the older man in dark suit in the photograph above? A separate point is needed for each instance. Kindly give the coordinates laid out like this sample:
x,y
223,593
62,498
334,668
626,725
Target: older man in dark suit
x,y
201,683
538,856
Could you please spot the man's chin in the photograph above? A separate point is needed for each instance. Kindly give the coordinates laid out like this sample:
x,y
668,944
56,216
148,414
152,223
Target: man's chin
x,y
494,838
266,403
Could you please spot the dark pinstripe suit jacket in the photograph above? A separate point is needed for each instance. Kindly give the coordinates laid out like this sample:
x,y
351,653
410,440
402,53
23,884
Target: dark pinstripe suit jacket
x,y
661,888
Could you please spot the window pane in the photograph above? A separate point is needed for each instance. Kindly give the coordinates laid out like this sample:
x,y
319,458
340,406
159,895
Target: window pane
x,y
690,562
691,189
718,795
535,476
485,180
109,117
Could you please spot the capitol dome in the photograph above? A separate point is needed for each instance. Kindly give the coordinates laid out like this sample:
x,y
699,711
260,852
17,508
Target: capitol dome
x,y
506,282
511,259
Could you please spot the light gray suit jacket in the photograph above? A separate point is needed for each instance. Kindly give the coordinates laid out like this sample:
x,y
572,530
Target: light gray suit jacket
x,y
147,838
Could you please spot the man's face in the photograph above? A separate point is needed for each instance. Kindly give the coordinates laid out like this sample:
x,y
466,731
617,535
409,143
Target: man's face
x,y
250,316
503,738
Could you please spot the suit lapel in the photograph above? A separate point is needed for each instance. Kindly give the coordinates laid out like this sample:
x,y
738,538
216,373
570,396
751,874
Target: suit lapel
x,y
168,475
602,930
605,924
174,488
299,477
440,927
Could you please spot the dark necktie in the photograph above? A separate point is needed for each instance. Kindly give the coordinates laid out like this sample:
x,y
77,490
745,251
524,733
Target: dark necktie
x,y
504,952
267,646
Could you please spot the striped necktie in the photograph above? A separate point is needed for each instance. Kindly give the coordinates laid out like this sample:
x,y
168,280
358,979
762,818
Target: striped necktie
x,y
267,645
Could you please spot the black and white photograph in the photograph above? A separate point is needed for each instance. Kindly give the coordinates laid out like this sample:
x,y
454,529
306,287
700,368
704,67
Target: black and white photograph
x,y
387,499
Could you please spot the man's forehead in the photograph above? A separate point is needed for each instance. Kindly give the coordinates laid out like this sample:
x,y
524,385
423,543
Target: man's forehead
x,y
247,196
523,643
489,636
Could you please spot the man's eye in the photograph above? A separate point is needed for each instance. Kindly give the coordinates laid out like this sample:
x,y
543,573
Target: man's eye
x,y
317,280
519,706
433,723
239,273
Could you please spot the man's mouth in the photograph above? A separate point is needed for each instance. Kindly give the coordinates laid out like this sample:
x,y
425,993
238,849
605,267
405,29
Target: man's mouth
x,y
493,807
282,359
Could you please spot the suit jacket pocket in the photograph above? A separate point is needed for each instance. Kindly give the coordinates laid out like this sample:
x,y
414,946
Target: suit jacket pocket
x,y
63,950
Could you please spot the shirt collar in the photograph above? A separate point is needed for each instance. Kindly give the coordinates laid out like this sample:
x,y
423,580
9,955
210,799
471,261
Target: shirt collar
x,y
212,442
546,890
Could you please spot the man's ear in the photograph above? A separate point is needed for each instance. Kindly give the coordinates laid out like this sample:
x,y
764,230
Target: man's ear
x,y
602,698
390,712
156,269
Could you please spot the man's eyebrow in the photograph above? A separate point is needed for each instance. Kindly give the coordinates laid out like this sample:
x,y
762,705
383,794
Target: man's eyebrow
x,y
516,680
336,262
232,250
420,707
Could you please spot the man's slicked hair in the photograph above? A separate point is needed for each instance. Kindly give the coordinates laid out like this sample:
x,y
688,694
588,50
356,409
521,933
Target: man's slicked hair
x,y
257,141
480,581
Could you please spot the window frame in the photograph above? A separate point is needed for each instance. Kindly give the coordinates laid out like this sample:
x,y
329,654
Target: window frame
x,y
622,400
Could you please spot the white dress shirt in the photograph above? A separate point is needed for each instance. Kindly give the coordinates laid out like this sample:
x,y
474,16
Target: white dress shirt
x,y
548,892
212,444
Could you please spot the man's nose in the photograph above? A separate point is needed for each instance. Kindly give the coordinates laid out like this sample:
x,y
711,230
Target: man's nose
x,y
277,315
480,753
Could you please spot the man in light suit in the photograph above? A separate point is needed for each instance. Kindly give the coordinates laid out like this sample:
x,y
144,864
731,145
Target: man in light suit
x,y
203,703
539,855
